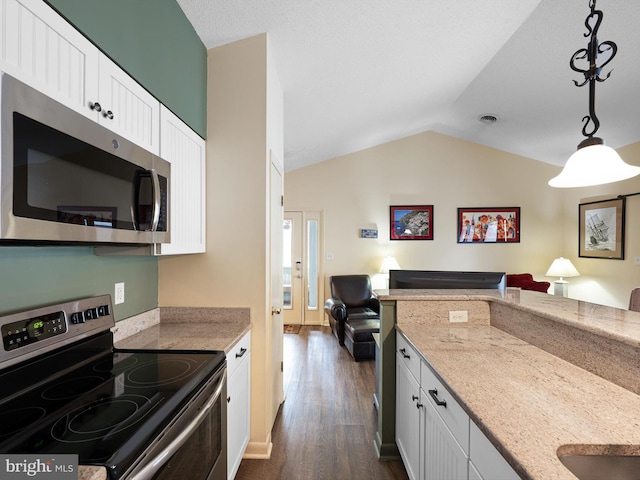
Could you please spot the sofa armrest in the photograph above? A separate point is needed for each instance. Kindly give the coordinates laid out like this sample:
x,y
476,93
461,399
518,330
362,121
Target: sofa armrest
x,y
336,308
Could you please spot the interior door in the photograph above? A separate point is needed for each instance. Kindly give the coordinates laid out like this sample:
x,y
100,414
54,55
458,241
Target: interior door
x,y
276,221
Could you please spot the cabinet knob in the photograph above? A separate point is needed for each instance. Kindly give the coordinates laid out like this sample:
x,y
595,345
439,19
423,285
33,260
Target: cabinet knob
x,y
403,351
95,106
242,352
414,397
228,399
275,311
108,114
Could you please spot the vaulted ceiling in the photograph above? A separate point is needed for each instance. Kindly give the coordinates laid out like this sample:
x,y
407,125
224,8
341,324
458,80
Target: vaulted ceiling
x,y
359,73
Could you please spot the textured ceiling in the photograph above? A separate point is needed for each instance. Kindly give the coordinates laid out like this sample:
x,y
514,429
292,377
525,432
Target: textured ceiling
x,y
358,73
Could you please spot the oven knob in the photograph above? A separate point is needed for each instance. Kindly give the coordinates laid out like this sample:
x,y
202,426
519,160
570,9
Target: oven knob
x,y
91,314
77,317
103,310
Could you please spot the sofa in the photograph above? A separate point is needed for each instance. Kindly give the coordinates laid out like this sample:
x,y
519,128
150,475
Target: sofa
x,y
525,281
354,314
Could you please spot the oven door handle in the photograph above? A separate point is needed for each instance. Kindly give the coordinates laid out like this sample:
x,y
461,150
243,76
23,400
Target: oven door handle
x,y
151,468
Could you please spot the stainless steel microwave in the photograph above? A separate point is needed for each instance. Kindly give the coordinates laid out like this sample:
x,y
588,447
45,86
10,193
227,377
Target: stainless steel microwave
x,y
65,178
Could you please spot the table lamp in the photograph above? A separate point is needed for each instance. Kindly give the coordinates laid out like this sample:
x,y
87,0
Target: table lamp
x,y
562,267
388,263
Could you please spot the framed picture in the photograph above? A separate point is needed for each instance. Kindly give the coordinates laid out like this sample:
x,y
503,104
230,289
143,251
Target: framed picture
x,y
411,222
602,229
489,225
92,216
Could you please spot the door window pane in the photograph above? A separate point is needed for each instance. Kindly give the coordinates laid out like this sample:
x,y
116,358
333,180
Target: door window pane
x,y
286,263
312,264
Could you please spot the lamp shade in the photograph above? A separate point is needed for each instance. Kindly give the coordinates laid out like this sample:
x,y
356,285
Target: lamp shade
x,y
389,263
562,267
593,165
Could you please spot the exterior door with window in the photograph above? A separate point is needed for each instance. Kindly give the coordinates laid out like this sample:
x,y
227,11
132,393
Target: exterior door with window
x,y
303,289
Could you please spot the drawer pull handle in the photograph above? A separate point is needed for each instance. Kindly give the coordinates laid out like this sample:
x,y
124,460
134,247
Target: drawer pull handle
x,y
403,351
242,352
434,395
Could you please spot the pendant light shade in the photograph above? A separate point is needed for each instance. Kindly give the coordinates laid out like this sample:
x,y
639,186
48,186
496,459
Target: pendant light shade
x,y
593,165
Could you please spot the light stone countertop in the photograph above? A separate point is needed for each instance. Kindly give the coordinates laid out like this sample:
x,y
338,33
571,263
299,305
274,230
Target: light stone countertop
x,y
177,328
527,401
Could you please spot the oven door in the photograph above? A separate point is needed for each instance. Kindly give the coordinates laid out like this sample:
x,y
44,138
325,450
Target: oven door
x,y
193,446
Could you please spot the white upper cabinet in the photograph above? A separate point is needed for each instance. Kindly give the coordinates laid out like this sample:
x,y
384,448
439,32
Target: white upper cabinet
x,y
40,48
127,108
185,150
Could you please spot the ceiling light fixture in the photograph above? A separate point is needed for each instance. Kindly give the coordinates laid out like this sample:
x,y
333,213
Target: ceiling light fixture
x,y
594,163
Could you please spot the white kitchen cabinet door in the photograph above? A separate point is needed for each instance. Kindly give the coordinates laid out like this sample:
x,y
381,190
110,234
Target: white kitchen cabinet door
x,y
127,108
185,150
40,48
443,457
486,458
238,403
408,418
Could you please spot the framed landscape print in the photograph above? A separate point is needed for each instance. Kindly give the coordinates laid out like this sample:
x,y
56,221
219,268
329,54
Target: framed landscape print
x,y
489,225
411,222
601,227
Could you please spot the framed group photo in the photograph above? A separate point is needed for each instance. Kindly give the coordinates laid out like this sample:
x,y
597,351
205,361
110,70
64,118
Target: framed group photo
x,y
601,229
411,222
489,225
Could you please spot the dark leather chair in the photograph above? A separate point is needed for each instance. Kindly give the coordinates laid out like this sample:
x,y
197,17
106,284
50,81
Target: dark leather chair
x,y
354,314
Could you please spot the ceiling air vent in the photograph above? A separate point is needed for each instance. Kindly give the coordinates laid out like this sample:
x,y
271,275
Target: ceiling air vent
x,y
488,119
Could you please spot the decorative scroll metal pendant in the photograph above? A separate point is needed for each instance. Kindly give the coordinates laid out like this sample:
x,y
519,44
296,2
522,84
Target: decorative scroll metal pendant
x,y
592,74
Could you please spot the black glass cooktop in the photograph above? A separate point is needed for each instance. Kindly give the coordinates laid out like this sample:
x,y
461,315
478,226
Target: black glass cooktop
x,y
103,405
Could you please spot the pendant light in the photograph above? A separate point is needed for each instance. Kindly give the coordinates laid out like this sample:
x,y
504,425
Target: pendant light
x,y
594,163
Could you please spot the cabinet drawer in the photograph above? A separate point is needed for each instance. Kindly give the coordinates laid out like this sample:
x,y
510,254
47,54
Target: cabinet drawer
x,y
454,417
238,353
409,355
486,458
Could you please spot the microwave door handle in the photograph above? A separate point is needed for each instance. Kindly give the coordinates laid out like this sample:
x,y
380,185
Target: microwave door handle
x,y
156,200
151,468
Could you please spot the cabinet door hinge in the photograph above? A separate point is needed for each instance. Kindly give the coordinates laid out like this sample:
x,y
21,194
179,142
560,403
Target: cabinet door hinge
x,y
281,366
282,200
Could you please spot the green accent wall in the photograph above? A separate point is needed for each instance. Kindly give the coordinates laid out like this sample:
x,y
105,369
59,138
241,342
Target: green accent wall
x,y
34,276
155,43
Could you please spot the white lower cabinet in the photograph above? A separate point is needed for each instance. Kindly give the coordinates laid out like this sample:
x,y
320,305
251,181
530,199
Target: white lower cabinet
x,y
443,458
238,403
436,438
486,460
407,418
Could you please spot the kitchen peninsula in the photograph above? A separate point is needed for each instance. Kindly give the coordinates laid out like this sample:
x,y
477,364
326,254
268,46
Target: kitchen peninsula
x,y
538,374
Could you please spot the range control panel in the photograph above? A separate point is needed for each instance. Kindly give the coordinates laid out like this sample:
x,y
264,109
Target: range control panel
x,y
32,332
25,332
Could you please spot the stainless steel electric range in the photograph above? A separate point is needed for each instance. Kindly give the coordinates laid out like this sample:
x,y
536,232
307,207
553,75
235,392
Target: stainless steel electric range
x,y
142,414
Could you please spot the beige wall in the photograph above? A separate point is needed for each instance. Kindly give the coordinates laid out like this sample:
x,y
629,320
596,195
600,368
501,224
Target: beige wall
x,y
355,191
235,270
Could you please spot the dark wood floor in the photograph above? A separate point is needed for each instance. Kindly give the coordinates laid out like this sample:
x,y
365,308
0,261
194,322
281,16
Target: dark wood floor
x,y
326,426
